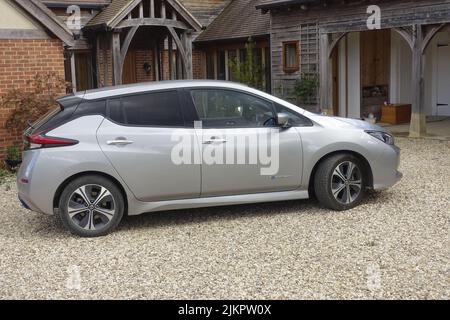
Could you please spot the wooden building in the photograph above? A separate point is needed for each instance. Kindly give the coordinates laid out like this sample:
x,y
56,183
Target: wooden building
x,y
405,61
94,43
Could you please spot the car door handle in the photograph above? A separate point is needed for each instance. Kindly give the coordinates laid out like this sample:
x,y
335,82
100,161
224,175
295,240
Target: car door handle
x,y
215,140
119,142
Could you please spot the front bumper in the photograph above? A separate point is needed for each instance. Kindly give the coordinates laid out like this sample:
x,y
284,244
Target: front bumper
x,y
386,172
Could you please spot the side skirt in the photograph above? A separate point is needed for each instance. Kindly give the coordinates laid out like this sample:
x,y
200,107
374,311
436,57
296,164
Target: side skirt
x,y
137,208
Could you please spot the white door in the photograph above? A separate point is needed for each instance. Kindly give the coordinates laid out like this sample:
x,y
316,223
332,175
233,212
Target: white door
x,y
443,98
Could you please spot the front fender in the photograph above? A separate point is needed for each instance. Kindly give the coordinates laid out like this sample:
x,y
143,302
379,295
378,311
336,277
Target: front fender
x,y
319,142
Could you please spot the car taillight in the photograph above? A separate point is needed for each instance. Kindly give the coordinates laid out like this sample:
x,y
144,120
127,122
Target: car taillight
x,y
40,140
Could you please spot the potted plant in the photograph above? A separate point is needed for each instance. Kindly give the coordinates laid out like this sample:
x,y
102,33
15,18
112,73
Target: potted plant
x,y
13,158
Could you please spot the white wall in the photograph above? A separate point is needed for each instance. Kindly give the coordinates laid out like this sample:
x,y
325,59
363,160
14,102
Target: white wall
x,y
12,17
342,78
350,69
401,68
431,71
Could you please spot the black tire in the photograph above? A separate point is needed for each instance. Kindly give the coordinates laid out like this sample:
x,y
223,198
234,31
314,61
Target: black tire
x,y
100,224
325,178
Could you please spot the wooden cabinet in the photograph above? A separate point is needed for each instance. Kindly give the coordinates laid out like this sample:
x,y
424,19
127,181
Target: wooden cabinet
x,y
396,113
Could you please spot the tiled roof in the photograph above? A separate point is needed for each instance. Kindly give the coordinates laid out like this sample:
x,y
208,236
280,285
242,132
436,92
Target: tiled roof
x,y
203,10
109,13
240,19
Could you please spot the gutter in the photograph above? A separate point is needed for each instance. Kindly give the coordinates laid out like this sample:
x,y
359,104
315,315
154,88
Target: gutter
x,y
282,3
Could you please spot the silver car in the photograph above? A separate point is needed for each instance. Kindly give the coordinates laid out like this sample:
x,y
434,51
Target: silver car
x,y
128,150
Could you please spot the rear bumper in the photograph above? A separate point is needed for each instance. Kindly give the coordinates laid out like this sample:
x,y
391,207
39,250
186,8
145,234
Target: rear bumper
x,y
26,203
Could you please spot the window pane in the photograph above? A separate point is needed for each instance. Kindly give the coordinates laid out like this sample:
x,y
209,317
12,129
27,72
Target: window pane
x,y
228,109
155,109
291,53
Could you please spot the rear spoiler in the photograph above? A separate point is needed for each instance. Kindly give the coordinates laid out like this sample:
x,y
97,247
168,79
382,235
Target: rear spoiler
x,y
69,101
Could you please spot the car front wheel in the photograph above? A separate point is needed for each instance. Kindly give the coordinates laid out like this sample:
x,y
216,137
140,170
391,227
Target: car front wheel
x,y
340,183
91,206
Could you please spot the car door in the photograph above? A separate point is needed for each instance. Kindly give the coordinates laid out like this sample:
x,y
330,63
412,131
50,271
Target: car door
x,y
139,138
243,151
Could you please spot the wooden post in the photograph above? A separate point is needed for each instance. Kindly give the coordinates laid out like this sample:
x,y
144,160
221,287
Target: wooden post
x,y
117,59
325,76
141,10
418,118
187,42
227,71
152,8
156,61
163,9
97,59
171,69
105,61
162,48
263,65
73,71
179,65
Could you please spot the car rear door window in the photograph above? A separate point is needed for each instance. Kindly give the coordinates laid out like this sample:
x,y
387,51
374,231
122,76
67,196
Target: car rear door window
x,y
151,109
220,108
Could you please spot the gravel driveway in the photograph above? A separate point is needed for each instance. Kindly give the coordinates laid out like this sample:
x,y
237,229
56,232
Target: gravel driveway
x,y
396,245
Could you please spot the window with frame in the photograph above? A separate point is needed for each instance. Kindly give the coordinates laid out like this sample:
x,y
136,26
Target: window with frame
x,y
220,108
160,109
291,56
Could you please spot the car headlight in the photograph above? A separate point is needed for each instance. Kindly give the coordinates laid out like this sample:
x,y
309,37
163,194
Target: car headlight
x,y
382,136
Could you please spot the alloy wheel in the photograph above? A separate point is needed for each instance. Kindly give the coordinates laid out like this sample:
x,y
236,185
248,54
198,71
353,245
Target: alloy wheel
x,y
346,182
91,207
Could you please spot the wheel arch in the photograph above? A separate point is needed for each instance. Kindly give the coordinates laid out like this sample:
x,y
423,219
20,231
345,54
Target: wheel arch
x,y
61,187
367,168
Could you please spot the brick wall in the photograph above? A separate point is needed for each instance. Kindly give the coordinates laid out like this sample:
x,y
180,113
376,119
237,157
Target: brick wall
x,y
104,60
20,61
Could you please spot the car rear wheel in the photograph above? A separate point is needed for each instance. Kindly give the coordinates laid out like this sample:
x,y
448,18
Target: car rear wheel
x,y
340,183
91,206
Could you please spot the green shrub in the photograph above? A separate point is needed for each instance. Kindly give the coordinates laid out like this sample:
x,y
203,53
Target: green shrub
x,y
249,71
29,105
14,153
306,87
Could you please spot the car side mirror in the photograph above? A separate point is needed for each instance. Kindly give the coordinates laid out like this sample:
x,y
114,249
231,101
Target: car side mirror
x,y
283,120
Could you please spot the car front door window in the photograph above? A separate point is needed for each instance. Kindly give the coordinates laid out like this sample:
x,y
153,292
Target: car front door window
x,y
232,109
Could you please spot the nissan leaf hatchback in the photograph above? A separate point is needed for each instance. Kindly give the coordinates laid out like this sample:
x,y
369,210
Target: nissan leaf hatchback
x,y
106,153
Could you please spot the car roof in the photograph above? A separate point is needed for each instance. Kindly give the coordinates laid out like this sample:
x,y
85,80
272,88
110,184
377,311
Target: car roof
x,y
108,92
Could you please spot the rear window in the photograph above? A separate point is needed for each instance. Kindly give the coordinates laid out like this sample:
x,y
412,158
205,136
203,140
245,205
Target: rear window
x,y
153,109
52,119
46,117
